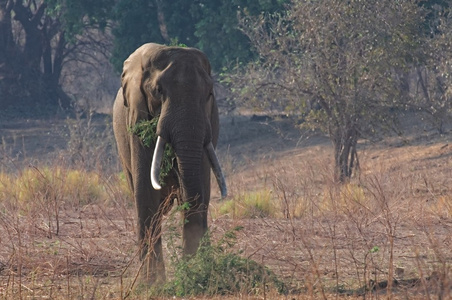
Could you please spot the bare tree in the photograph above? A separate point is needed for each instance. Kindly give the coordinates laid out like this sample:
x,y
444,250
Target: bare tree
x,y
88,77
334,64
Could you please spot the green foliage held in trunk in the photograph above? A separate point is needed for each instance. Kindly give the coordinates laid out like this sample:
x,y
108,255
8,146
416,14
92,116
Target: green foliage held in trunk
x,y
146,131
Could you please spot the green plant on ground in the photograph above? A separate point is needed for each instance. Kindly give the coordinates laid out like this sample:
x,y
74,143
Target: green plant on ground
x,y
218,269
146,131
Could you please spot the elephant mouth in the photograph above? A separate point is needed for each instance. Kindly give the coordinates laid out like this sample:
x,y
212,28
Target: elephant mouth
x,y
210,152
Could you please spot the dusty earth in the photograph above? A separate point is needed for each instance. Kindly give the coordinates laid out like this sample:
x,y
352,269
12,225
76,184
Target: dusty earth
x,y
394,220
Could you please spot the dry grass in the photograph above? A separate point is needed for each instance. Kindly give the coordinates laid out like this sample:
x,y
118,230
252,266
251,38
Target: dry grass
x,y
61,236
389,228
67,233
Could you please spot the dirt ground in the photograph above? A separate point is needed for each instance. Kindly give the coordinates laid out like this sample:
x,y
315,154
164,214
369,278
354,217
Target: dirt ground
x,y
394,220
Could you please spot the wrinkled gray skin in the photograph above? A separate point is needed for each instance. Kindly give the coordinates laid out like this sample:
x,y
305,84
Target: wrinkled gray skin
x,y
175,83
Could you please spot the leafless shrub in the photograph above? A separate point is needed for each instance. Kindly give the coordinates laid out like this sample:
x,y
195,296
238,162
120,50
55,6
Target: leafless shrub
x,y
91,145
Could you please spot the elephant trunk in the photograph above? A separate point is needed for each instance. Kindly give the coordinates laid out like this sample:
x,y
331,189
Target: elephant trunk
x,y
188,164
189,160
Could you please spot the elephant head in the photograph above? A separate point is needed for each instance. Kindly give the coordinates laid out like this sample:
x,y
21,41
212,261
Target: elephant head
x,y
185,91
174,84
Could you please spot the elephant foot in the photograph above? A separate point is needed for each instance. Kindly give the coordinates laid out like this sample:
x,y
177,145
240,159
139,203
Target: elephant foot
x,y
153,273
154,279
193,234
152,268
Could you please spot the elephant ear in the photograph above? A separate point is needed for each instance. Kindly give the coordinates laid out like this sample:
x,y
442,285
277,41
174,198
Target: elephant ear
x,y
211,104
131,77
131,81
212,115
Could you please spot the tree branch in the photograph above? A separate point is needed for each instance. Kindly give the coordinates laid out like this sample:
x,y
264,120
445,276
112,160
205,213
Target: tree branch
x,y
38,14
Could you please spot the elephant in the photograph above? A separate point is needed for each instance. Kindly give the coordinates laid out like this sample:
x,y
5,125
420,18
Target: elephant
x,y
175,85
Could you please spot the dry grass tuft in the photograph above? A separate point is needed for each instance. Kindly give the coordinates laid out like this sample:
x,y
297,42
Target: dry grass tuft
x,y
257,204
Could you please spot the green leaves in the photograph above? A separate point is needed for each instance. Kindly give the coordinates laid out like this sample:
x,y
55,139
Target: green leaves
x,y
193,23
77,15
146,131
218,269
374,249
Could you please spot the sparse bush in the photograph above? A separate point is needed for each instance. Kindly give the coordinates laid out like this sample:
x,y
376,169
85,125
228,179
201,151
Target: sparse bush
x,y
348,196
46,191
90,145
5,186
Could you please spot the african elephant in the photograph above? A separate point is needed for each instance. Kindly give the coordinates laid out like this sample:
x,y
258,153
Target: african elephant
x,y
175,84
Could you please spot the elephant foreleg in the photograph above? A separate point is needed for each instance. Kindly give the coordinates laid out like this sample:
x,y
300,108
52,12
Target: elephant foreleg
x,y
147,202
149,235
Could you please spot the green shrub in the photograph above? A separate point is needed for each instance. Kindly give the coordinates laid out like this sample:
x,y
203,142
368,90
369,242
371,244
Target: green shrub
x,y
218,270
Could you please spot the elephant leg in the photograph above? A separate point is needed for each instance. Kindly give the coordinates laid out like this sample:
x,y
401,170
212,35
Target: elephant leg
x,y
195,227
147,202
129,179
149,231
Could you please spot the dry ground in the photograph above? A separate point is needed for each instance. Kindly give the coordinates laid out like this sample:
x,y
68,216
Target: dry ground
x,y
392,221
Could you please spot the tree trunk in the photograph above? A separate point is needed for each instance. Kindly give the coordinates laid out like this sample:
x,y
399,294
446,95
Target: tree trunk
x,y
29,78
6,33
33,35
162,22
346,157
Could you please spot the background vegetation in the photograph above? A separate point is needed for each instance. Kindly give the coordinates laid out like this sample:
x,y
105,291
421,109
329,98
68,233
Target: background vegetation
x,y
45,42
348,68
340,67
372,216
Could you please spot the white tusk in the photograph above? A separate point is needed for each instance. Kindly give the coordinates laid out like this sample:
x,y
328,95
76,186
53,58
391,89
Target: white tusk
x,y
156,163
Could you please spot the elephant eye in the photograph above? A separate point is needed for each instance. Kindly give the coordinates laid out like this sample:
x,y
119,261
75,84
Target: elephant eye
x,y
158,91
210,96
